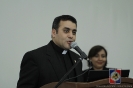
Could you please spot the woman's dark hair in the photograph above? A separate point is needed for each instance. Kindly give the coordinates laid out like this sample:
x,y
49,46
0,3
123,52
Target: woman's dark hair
x,y
94,51
57,20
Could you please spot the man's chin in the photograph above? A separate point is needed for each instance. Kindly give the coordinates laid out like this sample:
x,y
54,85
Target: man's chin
x,y
67,48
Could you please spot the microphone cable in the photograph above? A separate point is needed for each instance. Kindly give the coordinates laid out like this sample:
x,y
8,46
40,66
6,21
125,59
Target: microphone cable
x,y
78,75
88,70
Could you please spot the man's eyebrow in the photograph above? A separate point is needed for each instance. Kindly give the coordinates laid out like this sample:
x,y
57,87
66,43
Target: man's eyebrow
x,y
74,30
67,28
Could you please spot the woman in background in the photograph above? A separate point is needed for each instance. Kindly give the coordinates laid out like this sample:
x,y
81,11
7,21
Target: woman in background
x,y
97,58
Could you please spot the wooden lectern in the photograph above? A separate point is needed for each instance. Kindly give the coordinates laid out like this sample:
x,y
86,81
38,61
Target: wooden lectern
x,y
103,83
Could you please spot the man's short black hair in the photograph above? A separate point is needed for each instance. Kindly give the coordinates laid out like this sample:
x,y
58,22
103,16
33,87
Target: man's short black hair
x,y
57,20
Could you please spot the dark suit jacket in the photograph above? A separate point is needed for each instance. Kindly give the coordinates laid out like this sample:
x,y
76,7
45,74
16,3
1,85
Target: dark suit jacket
x,y
41,66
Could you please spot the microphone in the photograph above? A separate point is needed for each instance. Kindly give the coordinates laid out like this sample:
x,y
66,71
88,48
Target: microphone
x,y
75,46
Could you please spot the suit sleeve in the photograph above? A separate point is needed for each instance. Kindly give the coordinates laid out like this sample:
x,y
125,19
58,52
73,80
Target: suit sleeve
x,y
28,76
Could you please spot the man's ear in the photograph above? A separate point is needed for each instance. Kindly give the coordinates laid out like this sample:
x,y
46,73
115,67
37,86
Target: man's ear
x,y
53,33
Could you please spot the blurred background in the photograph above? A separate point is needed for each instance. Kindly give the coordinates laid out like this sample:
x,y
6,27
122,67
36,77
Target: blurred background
x,y
26,25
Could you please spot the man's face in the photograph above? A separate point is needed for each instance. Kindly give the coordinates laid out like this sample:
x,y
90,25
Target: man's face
x,y
66,34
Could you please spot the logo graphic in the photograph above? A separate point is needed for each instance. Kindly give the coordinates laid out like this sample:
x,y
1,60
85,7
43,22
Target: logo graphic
x,y
114,76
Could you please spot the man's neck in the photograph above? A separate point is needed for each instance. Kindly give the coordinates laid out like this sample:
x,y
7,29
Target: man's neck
x,y
58,49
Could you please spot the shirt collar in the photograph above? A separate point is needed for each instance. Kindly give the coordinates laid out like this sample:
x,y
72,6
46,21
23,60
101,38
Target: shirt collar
x,y
58,49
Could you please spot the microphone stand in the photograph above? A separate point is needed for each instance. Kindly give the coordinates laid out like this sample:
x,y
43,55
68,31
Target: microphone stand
x,y
63,78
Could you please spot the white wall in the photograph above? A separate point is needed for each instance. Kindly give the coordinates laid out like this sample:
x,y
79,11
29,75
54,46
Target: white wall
x,y
26,25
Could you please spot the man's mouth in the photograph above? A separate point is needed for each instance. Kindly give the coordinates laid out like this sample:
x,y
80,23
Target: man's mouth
x,y
69,42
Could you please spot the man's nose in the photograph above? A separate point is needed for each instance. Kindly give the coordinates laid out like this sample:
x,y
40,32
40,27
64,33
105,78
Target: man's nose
x,y
70,35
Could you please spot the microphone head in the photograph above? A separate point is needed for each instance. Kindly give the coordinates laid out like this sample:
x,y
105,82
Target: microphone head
x,y
73,44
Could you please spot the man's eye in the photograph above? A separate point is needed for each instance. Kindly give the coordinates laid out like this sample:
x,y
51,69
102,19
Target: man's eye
x,y
66,31
74,33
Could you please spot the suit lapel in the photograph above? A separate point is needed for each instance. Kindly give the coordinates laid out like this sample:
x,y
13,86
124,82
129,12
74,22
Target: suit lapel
x,y
54,61
75,60
52,57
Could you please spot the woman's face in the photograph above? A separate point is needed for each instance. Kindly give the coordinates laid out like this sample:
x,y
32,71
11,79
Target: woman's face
x,y
99,60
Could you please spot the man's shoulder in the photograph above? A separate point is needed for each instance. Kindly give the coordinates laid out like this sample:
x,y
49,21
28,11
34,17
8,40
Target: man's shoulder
x,y
39,50
42,48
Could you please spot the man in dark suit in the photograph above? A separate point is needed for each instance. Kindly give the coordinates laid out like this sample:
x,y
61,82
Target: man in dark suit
x,y
49,63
